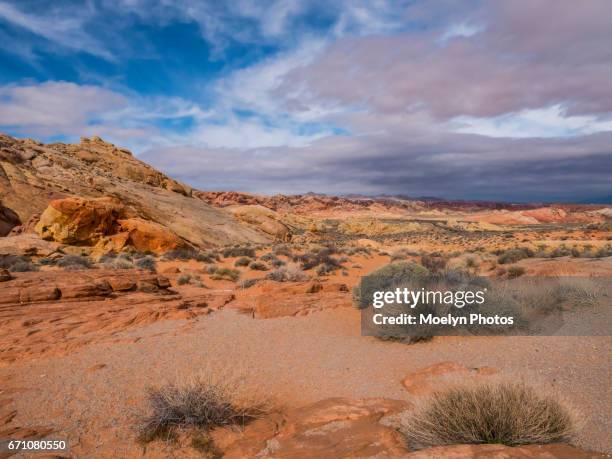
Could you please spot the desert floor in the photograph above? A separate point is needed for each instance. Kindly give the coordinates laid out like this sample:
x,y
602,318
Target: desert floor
x,y
94,394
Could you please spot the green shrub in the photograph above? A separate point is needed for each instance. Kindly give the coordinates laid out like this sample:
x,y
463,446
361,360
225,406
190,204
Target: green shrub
x,y
386,278
242,261
515,271
225,274
258,266
514,255
184,279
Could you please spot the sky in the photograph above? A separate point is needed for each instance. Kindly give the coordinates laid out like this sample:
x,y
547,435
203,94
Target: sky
x,y
507,100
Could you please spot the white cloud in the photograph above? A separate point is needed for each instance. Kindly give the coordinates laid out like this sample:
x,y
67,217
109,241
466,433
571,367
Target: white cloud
x,y
461,29
542,122
63,28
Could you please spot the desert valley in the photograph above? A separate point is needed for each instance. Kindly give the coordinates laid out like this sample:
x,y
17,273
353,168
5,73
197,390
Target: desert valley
x,y
123,291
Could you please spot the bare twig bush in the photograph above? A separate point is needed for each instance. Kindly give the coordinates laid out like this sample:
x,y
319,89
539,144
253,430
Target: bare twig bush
x,y
288,273
507,413
205,401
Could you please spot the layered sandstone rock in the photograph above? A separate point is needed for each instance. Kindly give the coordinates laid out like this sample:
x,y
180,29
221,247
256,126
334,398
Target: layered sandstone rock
x,y
79,221
32,175
331,428
8,220
263,219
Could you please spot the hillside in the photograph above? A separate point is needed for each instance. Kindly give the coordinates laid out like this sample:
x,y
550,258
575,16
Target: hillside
x,y
32,175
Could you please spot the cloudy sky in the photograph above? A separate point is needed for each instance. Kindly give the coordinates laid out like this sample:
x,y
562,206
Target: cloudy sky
x,y
461,99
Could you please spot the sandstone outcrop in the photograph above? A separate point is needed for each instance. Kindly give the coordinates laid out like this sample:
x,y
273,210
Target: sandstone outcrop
x,y
32,175
79,221
263,219
8,220
331,428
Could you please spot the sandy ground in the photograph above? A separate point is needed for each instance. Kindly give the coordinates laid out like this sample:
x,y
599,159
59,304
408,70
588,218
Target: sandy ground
x,y
93,396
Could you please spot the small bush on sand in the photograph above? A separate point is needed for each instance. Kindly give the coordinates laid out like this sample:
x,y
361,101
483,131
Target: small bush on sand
x,y
75,262
258,266
184,279
148,263
283,250
242,261
239,252
317,257
507,413
514,255
434,262
204,402
515,271
226,274
289,273
276,263
561,251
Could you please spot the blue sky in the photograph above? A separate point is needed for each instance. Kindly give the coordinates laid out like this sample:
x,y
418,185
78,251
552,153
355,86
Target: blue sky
x,y
462,99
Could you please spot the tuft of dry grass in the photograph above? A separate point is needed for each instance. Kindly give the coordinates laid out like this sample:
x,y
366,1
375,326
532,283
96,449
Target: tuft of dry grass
x,y
203,402
508,413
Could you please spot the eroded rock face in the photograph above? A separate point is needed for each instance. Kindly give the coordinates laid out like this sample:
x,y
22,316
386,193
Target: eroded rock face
x,y
264,219
428,379
98,222
79,221
331,428
8,220
146,235
33,174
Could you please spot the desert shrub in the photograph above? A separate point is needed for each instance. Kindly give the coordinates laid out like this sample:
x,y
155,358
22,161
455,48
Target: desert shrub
x,y
17,264
318,257
471,263
282,249
343,259
47,262
204,402
515,271
507,413
148,263
243,261
181,253
288,273
184,279
239,251
434,262
211,269
247,283
402,254
207,257
561,251
345,272
386,278
108,257
358,250
276,263
514,255
225,274
268,257
604,252
258,266
75,262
